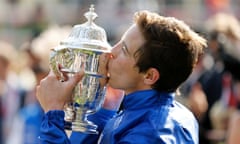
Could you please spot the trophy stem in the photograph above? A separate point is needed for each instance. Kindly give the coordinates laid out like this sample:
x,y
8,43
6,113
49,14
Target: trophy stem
x,y
69,116
81,123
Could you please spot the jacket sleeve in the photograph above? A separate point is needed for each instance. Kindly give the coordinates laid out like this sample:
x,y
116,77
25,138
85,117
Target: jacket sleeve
x,y
52,128
99,118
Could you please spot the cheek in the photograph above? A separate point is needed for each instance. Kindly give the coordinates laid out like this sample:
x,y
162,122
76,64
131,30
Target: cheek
x,y
118,70
121,65
117,63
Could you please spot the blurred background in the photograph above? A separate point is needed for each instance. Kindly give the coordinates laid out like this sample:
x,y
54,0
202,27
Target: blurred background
x,y
20,20
30,28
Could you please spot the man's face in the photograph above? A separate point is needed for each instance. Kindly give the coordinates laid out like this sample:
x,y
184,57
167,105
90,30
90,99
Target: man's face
x,y
122,70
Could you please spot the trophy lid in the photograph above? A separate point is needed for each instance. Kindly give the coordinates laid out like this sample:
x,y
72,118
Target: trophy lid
x,y
87,35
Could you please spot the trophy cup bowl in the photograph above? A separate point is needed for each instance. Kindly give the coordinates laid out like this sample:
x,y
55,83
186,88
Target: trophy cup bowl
x,y
81,51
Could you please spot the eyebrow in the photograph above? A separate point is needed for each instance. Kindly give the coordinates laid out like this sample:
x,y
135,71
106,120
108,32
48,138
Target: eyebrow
x,y
125,47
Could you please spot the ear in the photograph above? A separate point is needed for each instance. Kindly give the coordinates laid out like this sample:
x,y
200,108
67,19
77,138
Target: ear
x,y
151,76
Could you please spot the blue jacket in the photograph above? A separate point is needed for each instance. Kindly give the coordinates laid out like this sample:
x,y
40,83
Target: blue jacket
x,y
148,117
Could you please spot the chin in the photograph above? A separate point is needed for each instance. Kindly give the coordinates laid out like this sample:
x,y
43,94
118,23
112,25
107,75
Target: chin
x,y
110,83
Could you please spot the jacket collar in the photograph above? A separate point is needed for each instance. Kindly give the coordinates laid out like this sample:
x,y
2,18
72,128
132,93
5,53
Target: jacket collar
x,y
147,98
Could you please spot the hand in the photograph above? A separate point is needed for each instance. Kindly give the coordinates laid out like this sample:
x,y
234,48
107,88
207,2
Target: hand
x,y
113,97
103,68
53,94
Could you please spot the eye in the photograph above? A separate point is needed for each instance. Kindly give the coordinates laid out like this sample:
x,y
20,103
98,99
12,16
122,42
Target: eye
x,y
124,49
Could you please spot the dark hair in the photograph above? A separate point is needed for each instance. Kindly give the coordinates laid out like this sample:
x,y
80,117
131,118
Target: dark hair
x,y
171,47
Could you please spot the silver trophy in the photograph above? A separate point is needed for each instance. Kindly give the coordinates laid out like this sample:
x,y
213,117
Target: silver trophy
x,y
81,51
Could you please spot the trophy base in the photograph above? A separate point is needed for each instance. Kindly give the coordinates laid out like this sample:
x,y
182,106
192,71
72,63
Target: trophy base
x,y
85,127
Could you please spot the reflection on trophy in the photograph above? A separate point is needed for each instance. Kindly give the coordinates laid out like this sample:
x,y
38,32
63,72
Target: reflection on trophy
x,y
82,51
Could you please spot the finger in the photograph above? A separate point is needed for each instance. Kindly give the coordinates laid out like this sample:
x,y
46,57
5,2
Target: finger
x,y
37,90
103,63
63,76
51,73
74,80
55,74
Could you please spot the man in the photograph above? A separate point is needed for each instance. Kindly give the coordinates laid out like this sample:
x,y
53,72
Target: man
x,y
154,56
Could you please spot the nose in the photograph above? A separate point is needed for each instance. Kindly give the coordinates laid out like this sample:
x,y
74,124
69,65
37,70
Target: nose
x,y
114,52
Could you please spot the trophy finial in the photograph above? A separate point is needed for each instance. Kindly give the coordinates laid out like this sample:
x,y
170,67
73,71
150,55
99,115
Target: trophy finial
x,y
86,34
90,15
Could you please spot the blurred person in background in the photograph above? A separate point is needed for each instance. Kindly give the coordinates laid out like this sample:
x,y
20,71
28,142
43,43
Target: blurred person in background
x,y
233,133
224,42
9,88
219,75
38,23
191,93
193,96
26,126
